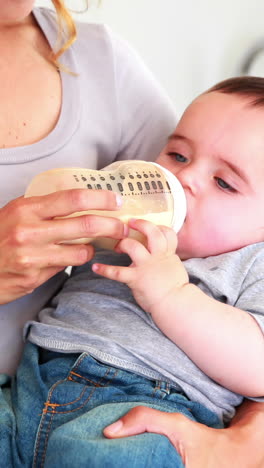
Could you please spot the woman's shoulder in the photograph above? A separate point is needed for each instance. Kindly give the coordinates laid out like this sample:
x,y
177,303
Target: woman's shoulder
x,y
100,39
47,19
88,33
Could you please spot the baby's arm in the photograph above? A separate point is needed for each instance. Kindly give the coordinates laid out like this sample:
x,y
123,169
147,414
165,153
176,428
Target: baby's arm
x,y
225,342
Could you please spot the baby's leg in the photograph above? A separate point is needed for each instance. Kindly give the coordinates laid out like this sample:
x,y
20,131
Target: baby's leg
x,y
21,405
80,443
93,396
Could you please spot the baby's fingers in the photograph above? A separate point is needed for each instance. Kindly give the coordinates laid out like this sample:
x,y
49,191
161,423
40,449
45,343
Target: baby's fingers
x,y
159,238
117,273
134,249
171,238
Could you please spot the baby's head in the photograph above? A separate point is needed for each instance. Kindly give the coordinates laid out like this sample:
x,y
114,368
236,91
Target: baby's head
x,y
217,153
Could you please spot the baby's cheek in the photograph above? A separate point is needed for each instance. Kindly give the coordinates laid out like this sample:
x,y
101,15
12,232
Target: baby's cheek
x,y
200,240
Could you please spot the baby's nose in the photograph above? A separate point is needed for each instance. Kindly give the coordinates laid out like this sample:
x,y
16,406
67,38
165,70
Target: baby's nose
x,y
190,179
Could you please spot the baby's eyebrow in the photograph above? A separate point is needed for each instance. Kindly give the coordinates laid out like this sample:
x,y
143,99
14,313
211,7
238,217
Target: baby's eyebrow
x,y
237,170
176,136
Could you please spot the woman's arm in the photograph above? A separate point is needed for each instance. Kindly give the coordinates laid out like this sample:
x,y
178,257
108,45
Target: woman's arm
x,y
239,445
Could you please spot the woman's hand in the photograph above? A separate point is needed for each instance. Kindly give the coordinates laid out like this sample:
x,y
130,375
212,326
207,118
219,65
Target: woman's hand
x,y
156,271
240,445
32,247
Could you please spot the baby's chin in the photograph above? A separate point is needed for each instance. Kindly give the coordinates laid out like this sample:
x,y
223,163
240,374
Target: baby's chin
x,y
187,250
184,253
186,256
194,246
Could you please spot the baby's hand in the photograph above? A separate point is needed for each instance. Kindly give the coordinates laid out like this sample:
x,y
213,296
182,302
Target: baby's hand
x,y
156,271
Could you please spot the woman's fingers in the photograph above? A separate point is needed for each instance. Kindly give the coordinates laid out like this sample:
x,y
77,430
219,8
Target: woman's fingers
x,y
25,273
33,221
33,236
89,226
54,256
143,419
198,445
17,285
66,202
67,229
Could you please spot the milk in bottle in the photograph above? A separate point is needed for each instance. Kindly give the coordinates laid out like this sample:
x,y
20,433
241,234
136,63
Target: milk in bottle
x,y
149,192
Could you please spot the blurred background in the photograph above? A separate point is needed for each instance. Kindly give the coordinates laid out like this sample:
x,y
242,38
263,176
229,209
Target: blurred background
x,y
189,45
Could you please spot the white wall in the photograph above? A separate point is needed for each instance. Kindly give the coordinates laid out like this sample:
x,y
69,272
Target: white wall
x,y
188,44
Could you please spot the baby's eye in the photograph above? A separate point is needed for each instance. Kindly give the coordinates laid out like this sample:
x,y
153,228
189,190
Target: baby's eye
x,y
224,185
178,157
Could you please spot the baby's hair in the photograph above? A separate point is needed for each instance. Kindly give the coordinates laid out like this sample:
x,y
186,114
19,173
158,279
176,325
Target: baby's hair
x,y
68,35
251,87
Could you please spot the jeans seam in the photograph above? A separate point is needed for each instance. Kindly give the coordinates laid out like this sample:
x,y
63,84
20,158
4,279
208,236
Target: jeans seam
x,y
96,384
42,421
46,442
80,360
45,411
55,405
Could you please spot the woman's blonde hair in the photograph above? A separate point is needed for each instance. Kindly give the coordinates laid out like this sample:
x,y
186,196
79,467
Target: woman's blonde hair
x,y
67,31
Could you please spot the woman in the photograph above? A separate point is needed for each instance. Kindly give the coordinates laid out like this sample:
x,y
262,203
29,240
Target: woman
x,y
86,107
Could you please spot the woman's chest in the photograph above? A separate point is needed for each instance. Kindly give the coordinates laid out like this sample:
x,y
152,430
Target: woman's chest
x,y
30,97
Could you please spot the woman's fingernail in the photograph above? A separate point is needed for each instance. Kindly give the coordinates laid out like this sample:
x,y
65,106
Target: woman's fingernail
x,y
119,200
126,230
132,221
115,427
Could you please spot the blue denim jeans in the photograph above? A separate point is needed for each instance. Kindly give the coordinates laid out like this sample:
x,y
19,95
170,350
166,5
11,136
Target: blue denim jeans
x,y
54,412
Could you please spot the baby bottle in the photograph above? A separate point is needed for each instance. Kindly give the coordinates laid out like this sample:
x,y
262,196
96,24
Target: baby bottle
x,y
149,192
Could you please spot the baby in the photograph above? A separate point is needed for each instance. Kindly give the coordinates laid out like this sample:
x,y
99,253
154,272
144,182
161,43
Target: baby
x,y
187,335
